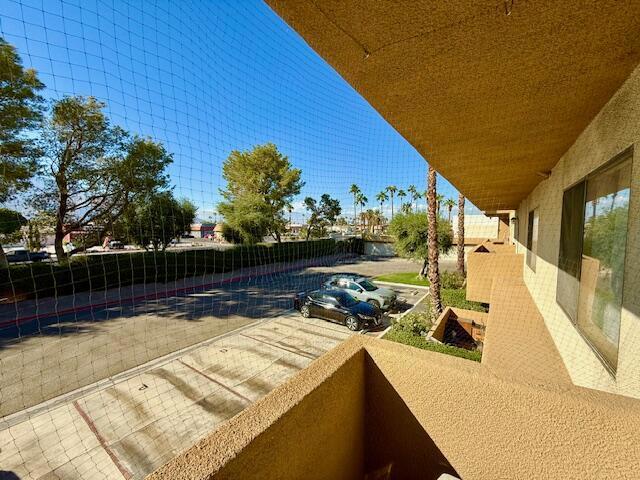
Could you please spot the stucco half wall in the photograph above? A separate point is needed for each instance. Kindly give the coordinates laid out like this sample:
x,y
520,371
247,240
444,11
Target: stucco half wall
x,y
615,129
432,412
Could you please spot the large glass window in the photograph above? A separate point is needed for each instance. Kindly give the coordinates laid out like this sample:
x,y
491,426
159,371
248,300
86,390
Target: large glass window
x,y
592,255
532,239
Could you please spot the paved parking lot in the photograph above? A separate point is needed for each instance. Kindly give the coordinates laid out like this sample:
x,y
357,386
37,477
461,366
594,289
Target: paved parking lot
x,y
238,343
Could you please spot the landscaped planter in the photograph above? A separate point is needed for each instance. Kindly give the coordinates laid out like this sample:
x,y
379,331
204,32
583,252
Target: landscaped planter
x,y
459,327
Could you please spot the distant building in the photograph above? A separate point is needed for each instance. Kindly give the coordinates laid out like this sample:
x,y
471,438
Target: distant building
x,y
294,228
201,230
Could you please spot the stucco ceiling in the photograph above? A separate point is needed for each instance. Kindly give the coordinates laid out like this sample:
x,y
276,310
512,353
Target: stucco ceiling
x,y
492,93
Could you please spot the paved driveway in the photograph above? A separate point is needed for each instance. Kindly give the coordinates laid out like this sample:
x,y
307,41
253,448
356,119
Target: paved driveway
x,y
129,427
223,349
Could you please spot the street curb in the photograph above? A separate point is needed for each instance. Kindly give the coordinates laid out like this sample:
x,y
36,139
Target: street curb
x,y
384,332
400,285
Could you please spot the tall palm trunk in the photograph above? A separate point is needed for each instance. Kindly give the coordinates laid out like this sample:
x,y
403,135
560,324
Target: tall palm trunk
x,y
434,272
391,205
355,210
461,233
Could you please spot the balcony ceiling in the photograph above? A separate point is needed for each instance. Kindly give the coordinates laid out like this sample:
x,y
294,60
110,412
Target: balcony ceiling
x,y
491,100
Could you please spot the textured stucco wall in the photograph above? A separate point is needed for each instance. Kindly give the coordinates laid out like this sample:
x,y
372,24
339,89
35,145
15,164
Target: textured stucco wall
x,y
501,263
426,413
614,129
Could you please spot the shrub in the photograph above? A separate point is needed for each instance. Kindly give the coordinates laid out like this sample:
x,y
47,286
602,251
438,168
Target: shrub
x,y
451,280
407,338
415,323
100,272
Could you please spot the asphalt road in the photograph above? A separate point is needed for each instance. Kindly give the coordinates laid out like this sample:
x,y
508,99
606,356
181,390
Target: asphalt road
x,y
45,358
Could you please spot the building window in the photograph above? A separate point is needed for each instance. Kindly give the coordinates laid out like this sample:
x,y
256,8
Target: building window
x,y
532,239
593,242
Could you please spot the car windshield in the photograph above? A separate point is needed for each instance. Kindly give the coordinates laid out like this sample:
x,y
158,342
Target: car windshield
x,y
346,300
367,285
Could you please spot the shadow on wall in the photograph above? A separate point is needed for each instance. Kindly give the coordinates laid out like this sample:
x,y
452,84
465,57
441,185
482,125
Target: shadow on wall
x,y
396,445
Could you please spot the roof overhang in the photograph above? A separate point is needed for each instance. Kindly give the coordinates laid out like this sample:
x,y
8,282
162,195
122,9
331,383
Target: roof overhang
x,y
491,93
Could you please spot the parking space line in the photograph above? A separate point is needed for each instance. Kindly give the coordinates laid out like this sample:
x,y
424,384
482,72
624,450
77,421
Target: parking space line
x,y
230,390
307,355
85,416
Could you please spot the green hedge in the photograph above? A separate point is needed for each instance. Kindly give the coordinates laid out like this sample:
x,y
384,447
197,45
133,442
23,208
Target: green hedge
x,y
100,272
408,338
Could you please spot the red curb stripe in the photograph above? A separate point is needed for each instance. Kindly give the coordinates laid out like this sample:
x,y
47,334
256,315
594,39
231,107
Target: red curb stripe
x,y
154,296
230,390
123,470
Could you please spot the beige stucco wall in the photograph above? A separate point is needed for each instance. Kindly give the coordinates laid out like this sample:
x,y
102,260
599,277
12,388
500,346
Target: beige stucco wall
x,y
422,414
614,129
501,263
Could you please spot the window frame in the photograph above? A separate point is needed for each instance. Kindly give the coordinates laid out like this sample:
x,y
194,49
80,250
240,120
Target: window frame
x,y
624,155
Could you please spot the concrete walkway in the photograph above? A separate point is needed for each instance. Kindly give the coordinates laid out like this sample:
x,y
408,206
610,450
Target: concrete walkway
x,y
129,428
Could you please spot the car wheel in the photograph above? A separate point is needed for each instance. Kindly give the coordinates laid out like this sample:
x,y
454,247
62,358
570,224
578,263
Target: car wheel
x,y
352,323
306,313
373,302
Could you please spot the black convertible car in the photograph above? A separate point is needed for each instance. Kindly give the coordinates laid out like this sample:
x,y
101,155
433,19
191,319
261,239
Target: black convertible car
x,y
337,306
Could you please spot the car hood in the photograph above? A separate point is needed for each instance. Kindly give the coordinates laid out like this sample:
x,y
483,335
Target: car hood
x,y
385,292
363,308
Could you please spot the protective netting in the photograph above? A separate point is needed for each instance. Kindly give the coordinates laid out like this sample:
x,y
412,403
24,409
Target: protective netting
x,y
178,181
112,355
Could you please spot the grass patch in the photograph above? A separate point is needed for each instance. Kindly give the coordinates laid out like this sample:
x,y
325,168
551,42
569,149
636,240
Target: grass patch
x,y
408,278
456,297
408,338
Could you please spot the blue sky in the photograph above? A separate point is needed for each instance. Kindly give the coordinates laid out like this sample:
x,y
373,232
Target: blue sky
x,y
205,78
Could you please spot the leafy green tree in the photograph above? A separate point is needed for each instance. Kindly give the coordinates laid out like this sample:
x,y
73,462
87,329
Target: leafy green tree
x,y
411,234
261,183
231,235
10,223
20,112
321,214
156,220
92,171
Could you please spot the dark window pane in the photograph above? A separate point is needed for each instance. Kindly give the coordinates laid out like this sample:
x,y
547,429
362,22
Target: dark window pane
x,y
570,256
532,239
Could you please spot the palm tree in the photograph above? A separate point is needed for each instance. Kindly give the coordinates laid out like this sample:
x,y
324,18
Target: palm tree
x,y
461,233
439,200
355,191
406,208
415,195
434,272
401,194
449,203
392,189
362,201
382,197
